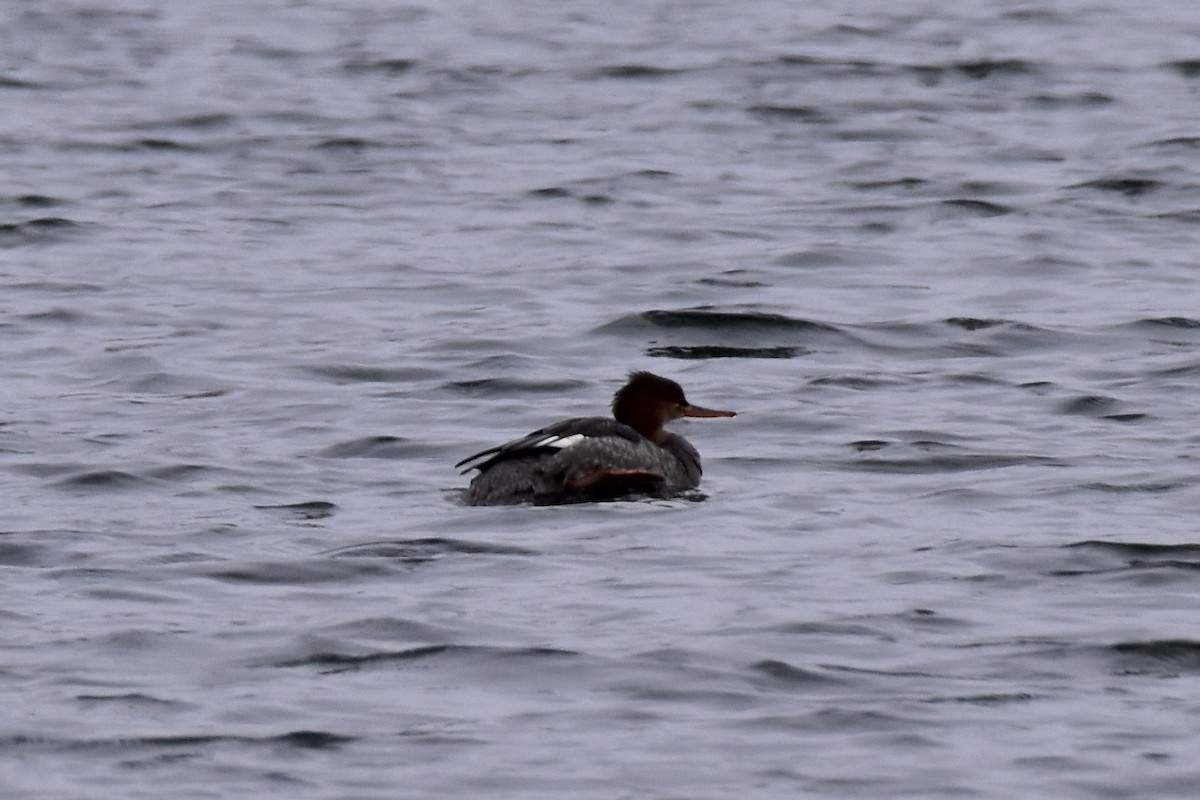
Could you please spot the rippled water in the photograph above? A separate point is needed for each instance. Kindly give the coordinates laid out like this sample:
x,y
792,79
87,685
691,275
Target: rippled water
x,y
268,270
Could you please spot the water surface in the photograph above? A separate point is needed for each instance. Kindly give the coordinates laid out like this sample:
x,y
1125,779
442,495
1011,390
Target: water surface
x,y
267,271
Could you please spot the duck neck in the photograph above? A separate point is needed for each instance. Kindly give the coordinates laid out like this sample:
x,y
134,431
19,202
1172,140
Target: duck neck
x,y
641,418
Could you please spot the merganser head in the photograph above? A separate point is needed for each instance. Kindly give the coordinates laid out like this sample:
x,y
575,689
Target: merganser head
x,y
647,402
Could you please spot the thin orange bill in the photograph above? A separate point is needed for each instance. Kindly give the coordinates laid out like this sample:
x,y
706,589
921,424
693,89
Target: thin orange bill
x,y
700,411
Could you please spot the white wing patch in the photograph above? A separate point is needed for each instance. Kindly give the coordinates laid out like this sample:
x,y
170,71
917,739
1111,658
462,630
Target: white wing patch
x,y
560,442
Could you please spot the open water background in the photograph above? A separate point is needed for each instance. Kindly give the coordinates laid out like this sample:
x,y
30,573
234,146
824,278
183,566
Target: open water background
x,y
268,269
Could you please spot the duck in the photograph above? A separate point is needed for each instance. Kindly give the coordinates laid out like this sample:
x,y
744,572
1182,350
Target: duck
x,y
590,459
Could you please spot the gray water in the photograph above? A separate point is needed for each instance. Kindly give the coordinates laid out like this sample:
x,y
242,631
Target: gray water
x,y
267,270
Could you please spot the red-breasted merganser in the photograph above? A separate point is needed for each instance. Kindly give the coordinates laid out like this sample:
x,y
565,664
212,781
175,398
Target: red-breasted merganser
x,y
596,458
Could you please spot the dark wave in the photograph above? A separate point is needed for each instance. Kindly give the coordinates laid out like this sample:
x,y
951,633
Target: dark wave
x,y
1189,215
892,183
989,699
690,333
35,231
179,472
974,323
853,381
347,143
131,699
1138,549
633,71
844,65
709,333
385,66
103,479
38,201
427,549
1187,67
1099,406
312,509
981,69
365,373
499,387
1090,405
983,208
21,554
787,113
1070,100
344,662
302,739
1130,187
59,287
929,73
786,673
739,283
201,121
312,740
300,573
1162,657
603,189
1141,561
709,319
985,68
61,315
550,191
1186,323
1176,142
1179,370
945,463
9,82
722,351
822,257
162,143
370,447
1138,488
974,379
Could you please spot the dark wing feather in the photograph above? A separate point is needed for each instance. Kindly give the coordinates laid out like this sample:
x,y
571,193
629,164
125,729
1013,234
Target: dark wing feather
x,y
528,445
